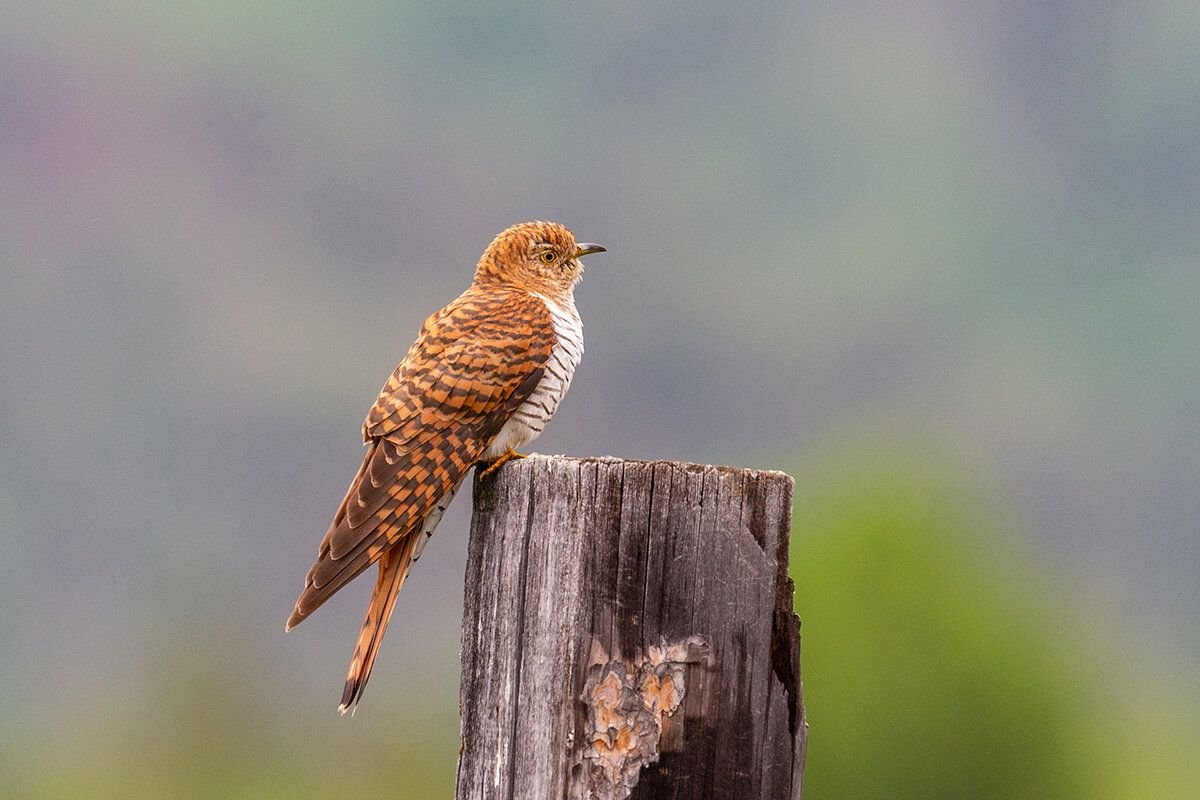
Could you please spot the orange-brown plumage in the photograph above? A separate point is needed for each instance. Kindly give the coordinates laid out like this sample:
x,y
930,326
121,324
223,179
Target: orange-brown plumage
x,y
471,371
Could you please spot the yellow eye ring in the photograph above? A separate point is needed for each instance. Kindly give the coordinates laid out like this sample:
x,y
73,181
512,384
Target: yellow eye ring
x,y
548,257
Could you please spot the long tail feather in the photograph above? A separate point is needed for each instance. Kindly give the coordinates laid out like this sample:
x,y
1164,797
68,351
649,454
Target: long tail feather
x,y
393,568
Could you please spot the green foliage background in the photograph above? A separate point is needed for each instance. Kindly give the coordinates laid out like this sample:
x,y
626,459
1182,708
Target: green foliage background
x,y
935,643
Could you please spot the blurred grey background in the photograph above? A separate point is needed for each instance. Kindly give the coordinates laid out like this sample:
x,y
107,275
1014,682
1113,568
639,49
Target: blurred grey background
x,y
845,240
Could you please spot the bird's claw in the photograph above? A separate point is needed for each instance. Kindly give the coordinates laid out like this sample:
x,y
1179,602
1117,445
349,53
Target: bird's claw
x,y
508,455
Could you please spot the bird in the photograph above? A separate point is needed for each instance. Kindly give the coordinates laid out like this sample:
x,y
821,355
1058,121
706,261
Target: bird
x,y
483,378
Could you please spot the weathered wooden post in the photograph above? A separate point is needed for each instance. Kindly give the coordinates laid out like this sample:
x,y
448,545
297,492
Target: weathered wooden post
x,y
628,632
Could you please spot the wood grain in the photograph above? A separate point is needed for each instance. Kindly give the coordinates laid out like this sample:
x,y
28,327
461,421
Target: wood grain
x,y
576,561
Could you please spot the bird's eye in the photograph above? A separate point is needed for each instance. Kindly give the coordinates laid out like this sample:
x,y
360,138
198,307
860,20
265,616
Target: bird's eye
x,y
548,257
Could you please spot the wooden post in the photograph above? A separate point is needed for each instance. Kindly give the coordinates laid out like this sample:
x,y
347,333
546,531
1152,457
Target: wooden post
x,y
628,632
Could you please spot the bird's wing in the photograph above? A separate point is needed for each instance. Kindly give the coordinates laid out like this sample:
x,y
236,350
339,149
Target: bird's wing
x,y
472,366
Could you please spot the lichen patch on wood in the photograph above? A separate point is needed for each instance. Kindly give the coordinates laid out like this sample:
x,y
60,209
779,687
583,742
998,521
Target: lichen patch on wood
x,y
627,705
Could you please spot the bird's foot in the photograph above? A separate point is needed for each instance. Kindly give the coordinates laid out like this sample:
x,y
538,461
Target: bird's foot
x,y
508,455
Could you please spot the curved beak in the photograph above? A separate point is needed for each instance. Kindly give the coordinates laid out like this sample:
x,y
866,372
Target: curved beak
x,y
587,248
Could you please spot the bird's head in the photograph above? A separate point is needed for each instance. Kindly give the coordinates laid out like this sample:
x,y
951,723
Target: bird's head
x,y
539,256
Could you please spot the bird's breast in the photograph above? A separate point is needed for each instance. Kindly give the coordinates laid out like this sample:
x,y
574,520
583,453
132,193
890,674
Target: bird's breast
x,y
531,418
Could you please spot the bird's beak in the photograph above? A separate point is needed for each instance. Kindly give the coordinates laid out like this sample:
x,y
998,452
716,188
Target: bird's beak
x,y
587,248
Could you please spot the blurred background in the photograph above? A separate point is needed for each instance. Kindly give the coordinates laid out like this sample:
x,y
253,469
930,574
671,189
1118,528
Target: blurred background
x,y
937,260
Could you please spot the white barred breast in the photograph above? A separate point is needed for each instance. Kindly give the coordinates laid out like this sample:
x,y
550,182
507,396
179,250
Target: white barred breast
x,y
535,413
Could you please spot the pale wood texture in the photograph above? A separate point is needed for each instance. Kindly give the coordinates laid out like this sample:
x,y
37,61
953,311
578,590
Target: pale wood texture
x,y
575,565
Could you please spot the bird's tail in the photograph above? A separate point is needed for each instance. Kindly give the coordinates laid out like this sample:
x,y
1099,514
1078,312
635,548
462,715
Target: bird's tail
x,y
393,568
